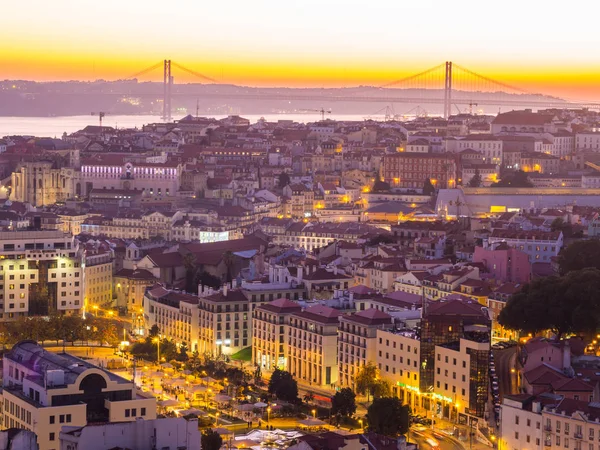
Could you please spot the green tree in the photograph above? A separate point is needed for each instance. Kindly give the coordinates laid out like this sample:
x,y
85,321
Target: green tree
x,y
283,386
211,440
191,268
515,179
476,180
206,279
229,261
579,255
567,304
343,402
428,188
388,416
154,331
283,180
369,382
183,351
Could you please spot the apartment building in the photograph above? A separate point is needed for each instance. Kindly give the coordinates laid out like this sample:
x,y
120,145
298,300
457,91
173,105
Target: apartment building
x,y
312,344
357,342
540,246
130,286
175,313
98,275
489,146
439,286
398,357
44,391
270,323
455,335
411,170
225,321
314,235
41,271
587,140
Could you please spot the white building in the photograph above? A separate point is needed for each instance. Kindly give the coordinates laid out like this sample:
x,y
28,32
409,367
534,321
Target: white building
x,y
541,246
44,391
489,146
164,434
588,141
40,271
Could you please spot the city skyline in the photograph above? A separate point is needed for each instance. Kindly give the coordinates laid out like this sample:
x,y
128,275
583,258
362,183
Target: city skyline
x,y
312,44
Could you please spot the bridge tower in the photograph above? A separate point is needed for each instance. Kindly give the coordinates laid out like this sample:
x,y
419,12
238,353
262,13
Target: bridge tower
x,y
167,85
448,90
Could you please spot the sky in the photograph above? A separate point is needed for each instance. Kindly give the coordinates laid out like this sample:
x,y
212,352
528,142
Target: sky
x,y
535,44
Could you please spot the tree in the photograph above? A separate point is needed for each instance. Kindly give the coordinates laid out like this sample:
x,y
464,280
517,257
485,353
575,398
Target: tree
x,y
515,179
476,180
579,255
388,416
229,261
206,279
343,402
428,188
190,265
369,382
211,440
283,180
567,304
154,331
283,386
183,350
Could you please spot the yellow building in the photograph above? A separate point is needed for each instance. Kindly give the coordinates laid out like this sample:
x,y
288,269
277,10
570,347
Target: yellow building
x,y
130,285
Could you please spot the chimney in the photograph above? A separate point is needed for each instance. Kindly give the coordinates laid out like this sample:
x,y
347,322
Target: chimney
x,y
300,273
335,270
225,290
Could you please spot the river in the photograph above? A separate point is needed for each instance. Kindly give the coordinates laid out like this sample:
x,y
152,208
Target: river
x,y
56,126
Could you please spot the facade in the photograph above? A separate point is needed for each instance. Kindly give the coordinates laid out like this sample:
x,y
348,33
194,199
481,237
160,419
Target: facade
x,y
312,340
130,286
270,324
44,391
588,141
540,246
504,263
41,272
167,434
175,313
461,330
411,170
98,278
357,342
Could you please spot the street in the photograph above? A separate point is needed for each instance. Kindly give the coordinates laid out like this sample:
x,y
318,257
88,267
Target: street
x,y
507,380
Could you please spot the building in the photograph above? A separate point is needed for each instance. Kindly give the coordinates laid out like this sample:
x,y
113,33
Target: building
x,y
540,246
44,391
130,286
270,324
411,170
504,263
175,313
41,271
225,321
357,342
587,140
521,421
98,276
312,340
455,335
525,123
166,433
489,146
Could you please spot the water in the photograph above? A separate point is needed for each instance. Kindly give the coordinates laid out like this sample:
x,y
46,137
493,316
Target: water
x,y
56,126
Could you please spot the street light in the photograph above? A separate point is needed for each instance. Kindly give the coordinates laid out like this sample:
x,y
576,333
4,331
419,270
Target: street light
x,y
269,414
361,424
314,411
217,417
156,340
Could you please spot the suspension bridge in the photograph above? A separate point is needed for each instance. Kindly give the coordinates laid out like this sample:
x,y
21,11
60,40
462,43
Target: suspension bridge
x,y
449,85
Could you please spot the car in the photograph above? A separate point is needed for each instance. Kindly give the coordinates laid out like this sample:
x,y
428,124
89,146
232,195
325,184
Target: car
x,y
432,442
497,347
419,427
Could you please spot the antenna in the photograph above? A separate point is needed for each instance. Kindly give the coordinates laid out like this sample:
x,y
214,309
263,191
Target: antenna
x,y
197,107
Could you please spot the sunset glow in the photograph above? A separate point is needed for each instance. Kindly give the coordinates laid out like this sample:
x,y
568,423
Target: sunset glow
x,y
312,43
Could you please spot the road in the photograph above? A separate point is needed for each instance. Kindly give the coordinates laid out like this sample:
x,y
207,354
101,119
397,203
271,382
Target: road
x,y
507,380
445,443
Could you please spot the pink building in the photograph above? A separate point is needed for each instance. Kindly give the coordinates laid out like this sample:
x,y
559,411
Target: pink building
x,y
504,263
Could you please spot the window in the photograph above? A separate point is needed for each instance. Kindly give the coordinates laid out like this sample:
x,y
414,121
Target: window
x,y
52,436
127,412
143,412
52,419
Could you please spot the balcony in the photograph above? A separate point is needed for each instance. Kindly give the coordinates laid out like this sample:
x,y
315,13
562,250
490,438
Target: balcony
x,y
547,427
577,435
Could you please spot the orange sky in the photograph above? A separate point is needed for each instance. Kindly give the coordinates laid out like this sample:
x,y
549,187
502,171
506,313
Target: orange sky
x,y
312,43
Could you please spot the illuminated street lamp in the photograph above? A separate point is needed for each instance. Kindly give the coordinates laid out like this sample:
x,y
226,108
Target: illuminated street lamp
x,y
361,423
269,414
217,417
314,411
156,340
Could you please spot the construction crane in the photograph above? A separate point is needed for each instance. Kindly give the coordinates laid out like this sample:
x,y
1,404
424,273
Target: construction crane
x,y
471,104
100,115
323,111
